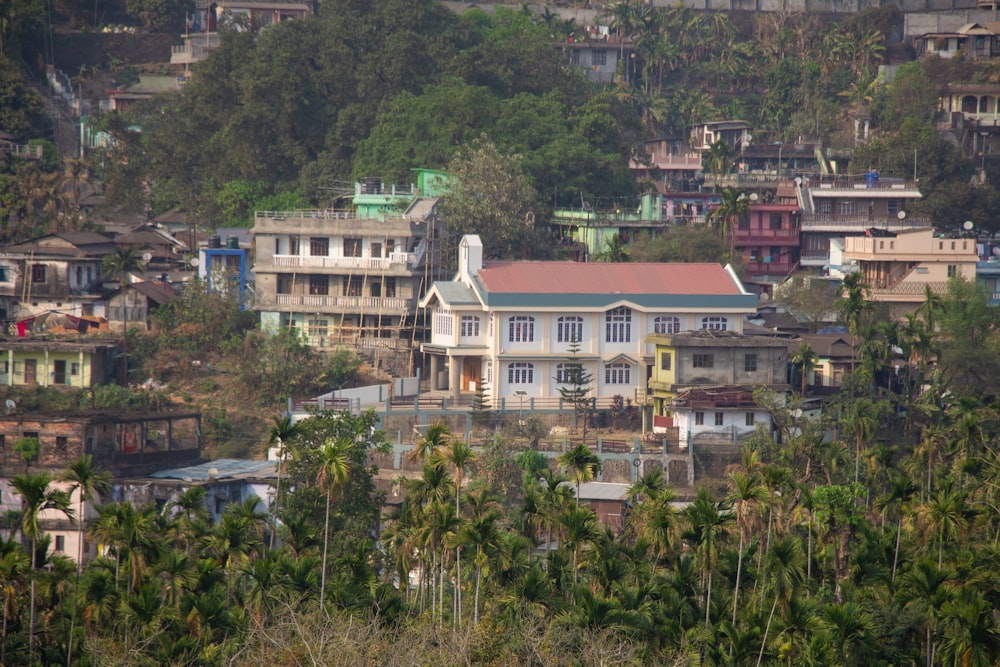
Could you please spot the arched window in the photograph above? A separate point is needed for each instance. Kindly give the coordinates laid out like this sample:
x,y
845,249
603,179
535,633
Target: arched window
x,y
562,374
569,329
715,323
617,373
666,324
522,329
618,325
521,372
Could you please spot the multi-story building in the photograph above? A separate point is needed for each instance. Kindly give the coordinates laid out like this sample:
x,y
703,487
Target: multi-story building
x,y
837,207
711,358
768,241
350,277
600,53
58,272
898,268
511,327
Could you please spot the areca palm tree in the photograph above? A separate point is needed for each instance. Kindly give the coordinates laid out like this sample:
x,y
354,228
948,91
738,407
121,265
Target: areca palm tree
x,y
579,528
614,250
852,306
480,533
584,464
284,430
805,358
14,573
87,481
746,494
860,419
784,574
333,475
708,522
436,438
36,497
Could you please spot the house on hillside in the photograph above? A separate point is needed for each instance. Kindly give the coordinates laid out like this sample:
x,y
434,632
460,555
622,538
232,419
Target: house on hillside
x,y
135,302
834,358
60,272
709,358
899,267
351,277
717,416
978,41
768,241
509,327
57,363
837,207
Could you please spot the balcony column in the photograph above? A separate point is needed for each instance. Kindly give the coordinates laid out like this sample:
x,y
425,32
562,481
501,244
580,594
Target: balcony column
x,y
435,362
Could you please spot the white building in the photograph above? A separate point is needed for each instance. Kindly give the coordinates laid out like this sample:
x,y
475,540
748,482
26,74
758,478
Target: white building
x,y
510,325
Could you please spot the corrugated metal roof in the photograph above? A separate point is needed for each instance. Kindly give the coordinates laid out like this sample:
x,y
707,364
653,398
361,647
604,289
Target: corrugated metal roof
x,y
606,278
221,469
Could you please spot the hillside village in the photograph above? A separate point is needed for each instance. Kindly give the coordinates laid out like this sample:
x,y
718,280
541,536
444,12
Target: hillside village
x,y
434,332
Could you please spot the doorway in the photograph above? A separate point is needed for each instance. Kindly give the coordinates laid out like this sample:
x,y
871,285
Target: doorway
x,y
471,373
30,371
59,374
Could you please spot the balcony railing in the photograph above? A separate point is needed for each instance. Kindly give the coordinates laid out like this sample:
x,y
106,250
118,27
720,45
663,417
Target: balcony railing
x,y
367,303
771,268
396,259
915,289
746,236
816,221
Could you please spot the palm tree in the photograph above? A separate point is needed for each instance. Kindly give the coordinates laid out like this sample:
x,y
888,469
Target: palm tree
x,y
14,572
459,454
852,305
717,157
333,474
746,494
805,358
480,533
861,419
726,216
122,262
579,527
36,497
435,439
785,574
584,463
946,515
284,430
88,481
709,522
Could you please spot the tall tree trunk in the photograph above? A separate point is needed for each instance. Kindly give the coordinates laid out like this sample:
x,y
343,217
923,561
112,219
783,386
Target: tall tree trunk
x,y
708,598
739,570
326,544
767,628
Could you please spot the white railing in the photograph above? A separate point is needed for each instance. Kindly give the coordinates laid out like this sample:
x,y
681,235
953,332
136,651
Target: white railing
x,y
368,303
313,213
355,263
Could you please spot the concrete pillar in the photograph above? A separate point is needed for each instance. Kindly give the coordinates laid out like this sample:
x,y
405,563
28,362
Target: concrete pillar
x,y
454,379
435,361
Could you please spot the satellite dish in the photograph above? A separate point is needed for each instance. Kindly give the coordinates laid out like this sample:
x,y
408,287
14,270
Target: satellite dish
x,y
901,215
754,196
996,251
213,473
798,180
146,256
967,225
194,261
11,405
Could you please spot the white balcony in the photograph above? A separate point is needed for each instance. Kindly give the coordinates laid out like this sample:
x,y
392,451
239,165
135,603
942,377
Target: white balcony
x,y
368,304
372,264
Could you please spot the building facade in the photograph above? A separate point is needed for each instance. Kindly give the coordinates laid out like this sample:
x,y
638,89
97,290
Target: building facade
x,y
768,241
511,327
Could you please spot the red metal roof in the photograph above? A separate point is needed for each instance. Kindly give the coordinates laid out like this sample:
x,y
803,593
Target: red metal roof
x,y
605,278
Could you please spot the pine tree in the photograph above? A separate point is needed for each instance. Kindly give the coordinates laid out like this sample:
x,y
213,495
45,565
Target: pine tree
x,y
482,412
574,385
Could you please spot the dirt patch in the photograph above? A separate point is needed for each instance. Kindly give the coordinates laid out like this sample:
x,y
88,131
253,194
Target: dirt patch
x,y
74,50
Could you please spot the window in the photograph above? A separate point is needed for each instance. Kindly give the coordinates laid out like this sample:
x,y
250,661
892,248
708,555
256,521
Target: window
x,y
4,368
750,363
665,360
5,275
825,207
743,224
284,283
564,372
470,326
846,207
390,246
569,329
444,323
376,250
385,287
699,419
521,373
618,325
703,361
575,57
618,373
61,442
293,245
952,270
714,323
892,206
522,329
318,327
38,273
319,247
665,324
74,368
774,221
599,58
352,247
319,285
60,543
352,285
750,419
718,419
